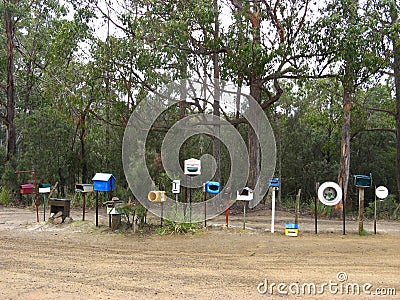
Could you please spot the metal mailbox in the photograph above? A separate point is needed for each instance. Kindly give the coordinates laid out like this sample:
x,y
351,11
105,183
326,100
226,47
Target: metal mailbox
x,y
103,182
26,189
362,181
44,188
245,195
83,187
274,182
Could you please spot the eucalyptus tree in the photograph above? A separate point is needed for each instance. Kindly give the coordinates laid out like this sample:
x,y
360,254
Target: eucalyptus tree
x,y
345,48
264,43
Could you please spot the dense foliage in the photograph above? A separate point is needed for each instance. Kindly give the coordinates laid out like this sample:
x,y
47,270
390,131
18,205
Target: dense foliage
x,y
71,75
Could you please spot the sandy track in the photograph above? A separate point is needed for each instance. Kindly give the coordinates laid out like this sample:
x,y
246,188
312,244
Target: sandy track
x,y
79,261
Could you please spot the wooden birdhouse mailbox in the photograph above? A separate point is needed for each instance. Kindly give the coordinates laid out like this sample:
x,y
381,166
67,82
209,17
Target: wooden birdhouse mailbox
x,y
103,182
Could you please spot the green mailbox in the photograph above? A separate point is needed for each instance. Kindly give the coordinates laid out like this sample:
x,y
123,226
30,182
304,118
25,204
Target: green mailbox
x,y
44,188
362,181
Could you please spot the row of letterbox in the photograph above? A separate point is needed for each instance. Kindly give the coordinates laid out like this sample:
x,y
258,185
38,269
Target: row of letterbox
x,y
102,182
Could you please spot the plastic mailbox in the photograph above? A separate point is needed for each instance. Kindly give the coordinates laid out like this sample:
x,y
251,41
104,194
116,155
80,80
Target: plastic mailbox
x,y
103,182
212,187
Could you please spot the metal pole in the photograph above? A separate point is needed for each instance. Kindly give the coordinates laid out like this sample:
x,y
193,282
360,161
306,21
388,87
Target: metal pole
x,y
244,215
205,209
190,200
375,213
97,208
273,211
162,210
83,206
344,211
227,213
44,207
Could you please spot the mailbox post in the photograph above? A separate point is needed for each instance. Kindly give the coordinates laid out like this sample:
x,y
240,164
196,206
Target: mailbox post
x,y
44,188
83,188
362,182
192,167
245,195
213,188
274,183
102,182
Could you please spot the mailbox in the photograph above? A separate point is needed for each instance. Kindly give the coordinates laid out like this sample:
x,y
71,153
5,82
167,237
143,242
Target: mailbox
x,y
274,182
245,195
26,189
83,187
362,181
192,166
44,188
212,187
103,182
157,196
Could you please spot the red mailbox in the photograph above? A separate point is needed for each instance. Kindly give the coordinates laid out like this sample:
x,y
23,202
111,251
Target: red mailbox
x,y
27,188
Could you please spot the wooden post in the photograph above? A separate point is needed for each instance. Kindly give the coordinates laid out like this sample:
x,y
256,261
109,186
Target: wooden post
x,y
360,210
296,220
315,207
375,212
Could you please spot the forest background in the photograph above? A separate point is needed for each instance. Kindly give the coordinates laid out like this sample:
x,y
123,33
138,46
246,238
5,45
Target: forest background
x,y
326,73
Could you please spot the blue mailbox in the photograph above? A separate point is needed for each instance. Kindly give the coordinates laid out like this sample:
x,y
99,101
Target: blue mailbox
x,y
212,187
274,182
103,182
362,181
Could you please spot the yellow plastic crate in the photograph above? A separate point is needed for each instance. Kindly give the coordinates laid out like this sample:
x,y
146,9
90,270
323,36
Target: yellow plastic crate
x,y
291,232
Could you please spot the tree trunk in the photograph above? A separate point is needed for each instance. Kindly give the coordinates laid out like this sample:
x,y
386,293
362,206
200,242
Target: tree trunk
x,y
348,83
396,70
10,109
344,171
216,104
83,149
255,92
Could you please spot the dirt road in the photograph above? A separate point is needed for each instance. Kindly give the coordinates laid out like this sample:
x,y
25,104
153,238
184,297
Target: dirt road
x,y
80,261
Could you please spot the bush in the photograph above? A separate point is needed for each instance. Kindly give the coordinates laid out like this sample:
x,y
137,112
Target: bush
x,y
5,196
384,209
171,227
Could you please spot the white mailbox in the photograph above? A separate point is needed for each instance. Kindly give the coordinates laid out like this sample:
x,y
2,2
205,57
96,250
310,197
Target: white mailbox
x,y
245,195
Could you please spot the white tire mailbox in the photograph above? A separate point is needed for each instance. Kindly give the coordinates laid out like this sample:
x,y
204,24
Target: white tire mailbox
x,y
330,193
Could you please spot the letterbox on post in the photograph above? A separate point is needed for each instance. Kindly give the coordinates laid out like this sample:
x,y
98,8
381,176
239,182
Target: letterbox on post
x,y
44,188
212,187
274,182
362,181
27,189
83,187
103,182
